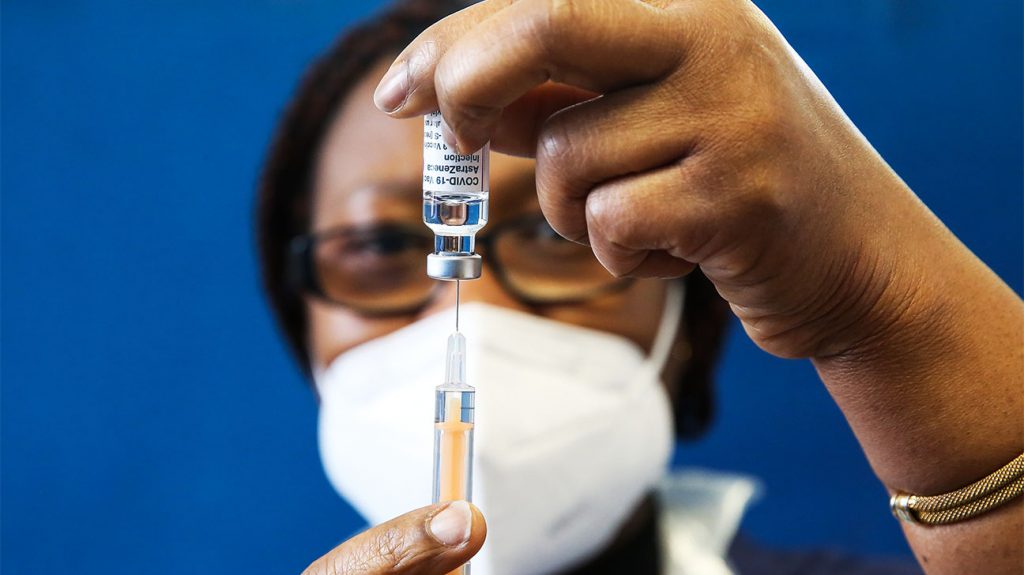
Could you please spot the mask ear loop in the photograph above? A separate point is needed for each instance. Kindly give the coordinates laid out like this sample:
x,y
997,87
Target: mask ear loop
x,y
317,373
668,327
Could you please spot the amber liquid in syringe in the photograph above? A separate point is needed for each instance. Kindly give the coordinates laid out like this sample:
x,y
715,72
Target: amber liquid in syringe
x,y
454,420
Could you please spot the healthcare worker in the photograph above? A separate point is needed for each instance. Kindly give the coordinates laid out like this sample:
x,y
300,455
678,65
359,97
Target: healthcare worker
x,y
657,164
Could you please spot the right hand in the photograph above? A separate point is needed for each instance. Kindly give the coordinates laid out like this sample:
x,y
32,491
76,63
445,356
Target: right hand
x,y
435,539
675,133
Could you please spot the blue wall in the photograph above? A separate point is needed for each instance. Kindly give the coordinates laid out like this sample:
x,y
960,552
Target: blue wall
x,y
151,419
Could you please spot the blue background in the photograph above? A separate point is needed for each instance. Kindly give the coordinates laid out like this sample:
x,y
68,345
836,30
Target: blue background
x,y
151,419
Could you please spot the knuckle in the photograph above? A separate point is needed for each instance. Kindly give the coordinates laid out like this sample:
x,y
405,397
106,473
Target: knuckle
x,y
606,217
396,552
713,186
551,24
560,15
566,222
564,216
467,118
620,262
767,123
361,560
763,202
446,77
555,140
420,61
389,546
560,192
737,25
411,557
692,173
383,550
478,114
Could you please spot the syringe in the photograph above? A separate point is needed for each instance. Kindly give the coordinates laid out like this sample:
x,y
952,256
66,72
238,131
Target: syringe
x,y
453,430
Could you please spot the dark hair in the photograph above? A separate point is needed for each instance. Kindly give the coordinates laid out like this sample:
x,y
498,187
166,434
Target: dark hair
x,y
285,199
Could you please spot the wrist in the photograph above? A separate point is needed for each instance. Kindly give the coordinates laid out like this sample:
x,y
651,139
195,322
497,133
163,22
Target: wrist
x,y
932,378
894,289
896,312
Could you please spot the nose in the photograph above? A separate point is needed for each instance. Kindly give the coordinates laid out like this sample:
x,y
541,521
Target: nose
x,y
486,289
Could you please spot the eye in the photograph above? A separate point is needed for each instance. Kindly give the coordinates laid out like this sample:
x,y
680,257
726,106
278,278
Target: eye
x,y
543,237
541,231
543,244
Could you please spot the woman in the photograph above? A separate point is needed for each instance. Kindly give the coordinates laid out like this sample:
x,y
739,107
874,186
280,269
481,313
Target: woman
x,y
712,151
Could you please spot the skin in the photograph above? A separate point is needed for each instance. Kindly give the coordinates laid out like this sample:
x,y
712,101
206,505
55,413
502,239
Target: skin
x,y
740,162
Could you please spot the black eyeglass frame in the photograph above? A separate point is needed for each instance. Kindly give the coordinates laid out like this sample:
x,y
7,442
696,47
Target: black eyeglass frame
x,y
303,279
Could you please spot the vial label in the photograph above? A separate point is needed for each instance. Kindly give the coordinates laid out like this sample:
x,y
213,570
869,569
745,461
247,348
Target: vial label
x,y
447,172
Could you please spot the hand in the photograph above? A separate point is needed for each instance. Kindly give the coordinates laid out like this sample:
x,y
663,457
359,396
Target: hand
x,y
673,134
431,540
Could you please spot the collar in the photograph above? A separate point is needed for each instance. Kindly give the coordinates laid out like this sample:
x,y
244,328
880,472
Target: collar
x,y
699,515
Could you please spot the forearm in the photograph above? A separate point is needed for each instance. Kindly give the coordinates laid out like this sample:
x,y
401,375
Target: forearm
x,y
936,398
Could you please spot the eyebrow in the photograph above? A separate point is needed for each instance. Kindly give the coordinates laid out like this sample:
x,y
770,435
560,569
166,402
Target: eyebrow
x,y
367,202
399,189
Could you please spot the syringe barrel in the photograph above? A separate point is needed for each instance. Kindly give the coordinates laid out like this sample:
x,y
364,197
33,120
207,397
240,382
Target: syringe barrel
x,y
453,442
453,446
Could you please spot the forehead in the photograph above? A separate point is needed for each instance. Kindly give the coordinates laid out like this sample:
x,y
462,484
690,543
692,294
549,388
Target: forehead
x,y
370,166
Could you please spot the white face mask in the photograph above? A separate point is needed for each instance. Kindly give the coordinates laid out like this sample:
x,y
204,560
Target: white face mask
x,y
573,428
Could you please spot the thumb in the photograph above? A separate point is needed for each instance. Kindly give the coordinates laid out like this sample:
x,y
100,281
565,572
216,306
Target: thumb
x,y
430,540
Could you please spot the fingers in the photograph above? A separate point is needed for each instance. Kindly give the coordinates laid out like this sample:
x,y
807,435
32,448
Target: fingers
x,y
596,45
408,83
431,540
627,132
649,225
521,121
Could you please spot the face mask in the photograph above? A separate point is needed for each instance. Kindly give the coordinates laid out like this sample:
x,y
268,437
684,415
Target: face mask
x,y
573,429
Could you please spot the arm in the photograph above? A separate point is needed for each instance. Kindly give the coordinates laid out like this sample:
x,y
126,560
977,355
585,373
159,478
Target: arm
x,y
711,143
936,396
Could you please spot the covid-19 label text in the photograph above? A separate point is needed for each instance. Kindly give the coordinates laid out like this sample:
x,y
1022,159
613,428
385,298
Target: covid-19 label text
x,y
446,171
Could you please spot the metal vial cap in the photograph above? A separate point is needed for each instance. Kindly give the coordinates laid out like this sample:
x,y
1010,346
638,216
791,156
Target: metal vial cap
x,y
451,267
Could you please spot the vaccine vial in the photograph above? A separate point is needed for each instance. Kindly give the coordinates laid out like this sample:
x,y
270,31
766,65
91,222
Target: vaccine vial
x,y
455,202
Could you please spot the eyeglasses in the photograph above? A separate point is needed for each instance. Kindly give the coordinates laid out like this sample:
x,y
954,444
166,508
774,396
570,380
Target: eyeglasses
x,y
380,269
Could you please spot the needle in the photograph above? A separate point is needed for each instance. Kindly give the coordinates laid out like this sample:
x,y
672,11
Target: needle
x,y
457,284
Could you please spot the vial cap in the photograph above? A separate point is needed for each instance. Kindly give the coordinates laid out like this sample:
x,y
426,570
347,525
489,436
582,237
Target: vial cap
x,y
451,267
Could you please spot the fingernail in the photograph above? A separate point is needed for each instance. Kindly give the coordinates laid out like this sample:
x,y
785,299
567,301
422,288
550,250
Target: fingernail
x,y
452,525
393,89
